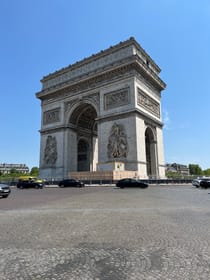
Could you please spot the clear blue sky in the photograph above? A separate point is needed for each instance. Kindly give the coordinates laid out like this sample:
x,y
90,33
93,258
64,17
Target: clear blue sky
x,y
39,37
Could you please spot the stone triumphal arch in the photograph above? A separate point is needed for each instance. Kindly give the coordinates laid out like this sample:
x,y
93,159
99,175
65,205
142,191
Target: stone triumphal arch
x,y
103,113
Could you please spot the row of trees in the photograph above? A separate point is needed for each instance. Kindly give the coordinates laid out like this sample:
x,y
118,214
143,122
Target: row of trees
x,y
195,169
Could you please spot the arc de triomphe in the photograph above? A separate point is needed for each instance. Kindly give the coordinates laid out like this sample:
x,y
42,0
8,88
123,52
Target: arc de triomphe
x,y
102,110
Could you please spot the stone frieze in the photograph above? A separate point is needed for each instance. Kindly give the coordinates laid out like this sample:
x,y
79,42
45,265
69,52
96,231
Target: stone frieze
x,y
148,103
116,98
51,116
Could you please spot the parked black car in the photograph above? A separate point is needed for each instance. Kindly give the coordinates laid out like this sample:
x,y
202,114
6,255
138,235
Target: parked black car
x,y
31,183
4,190
129,182
70,183
205,184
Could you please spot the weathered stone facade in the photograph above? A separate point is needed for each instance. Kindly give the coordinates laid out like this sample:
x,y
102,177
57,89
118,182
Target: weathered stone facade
x,y
105,108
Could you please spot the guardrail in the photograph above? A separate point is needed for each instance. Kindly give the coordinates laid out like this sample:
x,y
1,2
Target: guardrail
x,y
168,181
148,181
111,182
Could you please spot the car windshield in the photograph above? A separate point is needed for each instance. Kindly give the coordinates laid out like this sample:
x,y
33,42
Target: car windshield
x,y
3,185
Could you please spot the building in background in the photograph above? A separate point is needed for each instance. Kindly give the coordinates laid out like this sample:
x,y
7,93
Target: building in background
x,y
178,168
5,168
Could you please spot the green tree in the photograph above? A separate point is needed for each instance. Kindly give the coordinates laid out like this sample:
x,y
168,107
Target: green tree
x,y
13,171
173,175
195,169
206,172
34,171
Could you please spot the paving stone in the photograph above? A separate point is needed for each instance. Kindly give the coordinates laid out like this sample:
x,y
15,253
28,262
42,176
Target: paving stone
x,y
157,233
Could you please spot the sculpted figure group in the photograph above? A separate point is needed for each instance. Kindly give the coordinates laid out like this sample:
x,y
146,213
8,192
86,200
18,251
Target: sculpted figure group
x,y
117,144
50,155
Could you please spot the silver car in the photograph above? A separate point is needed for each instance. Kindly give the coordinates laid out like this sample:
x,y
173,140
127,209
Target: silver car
x,y
4,190
196,183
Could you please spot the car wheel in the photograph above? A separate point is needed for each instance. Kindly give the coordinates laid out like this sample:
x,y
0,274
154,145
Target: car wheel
x,y
61,186
5,196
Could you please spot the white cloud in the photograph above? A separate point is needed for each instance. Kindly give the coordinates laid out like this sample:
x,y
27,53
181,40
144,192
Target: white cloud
x,y
166,120
179,126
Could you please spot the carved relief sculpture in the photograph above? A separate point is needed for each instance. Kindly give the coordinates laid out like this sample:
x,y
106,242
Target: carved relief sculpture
x,y
50,154
52,116
148,103
117,98
117,145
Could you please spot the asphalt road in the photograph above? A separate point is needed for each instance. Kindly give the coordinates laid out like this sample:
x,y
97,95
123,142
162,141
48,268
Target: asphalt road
x,y
105,233
29,198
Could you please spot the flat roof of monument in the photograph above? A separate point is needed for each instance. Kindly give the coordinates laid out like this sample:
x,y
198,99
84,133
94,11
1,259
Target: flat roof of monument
x,y
111,49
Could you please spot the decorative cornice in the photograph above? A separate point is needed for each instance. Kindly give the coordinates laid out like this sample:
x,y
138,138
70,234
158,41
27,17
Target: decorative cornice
x,y
102,53
115,116
54,129
85,83
148,74
107,75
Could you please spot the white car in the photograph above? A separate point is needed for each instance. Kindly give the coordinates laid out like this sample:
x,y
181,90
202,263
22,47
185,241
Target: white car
x,y
4,190
196,182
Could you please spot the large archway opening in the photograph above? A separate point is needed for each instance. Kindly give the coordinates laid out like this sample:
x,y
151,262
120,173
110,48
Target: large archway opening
x,y
150,145
83,122
83,155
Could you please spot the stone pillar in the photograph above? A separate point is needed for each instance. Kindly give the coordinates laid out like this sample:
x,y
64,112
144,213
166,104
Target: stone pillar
x,y
160,153
154,160
95,153
71,152
141,148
